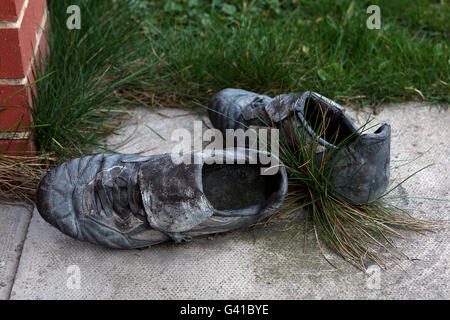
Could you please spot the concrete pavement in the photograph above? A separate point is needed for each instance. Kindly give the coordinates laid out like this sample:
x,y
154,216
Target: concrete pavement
x,y
279,261
14,221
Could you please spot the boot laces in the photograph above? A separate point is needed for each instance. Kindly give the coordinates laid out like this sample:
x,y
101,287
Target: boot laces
x,y
117,193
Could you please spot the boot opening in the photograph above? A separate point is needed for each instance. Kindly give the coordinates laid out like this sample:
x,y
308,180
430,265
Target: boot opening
x,y
231,187
326,122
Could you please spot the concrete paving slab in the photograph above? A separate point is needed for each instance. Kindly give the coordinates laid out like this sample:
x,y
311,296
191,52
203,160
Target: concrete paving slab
x,y
14,221
279,261
148,133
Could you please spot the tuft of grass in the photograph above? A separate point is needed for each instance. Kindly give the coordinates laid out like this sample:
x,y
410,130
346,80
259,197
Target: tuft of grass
x,y
80,103
20,175
358,233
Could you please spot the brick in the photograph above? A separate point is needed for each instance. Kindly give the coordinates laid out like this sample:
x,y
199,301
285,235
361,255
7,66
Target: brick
x,y
17,114
17,147
11,66
17,45
10,9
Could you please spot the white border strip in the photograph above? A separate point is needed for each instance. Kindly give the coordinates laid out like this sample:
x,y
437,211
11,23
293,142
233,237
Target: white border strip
x,y
18,23
24,80
15,135
13,82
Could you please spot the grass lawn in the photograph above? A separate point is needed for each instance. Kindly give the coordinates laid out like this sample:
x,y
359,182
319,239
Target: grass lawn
x,y
284,46
179,53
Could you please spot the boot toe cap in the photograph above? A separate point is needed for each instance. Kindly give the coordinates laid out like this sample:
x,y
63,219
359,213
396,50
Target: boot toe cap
x,y
54,201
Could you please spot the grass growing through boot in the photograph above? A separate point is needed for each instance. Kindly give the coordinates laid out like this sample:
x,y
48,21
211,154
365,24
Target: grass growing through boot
x,y
358,233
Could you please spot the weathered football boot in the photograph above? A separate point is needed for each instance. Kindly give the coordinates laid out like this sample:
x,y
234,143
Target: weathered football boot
x,y
131,201
359,164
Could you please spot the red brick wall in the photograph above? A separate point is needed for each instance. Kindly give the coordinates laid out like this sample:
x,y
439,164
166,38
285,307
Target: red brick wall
x,y
22,36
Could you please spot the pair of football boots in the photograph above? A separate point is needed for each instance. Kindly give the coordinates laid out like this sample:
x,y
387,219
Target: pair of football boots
x,y
132,201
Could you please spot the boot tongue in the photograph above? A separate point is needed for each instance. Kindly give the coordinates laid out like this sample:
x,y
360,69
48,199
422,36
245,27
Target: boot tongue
x,y
114,194
282,106
172,194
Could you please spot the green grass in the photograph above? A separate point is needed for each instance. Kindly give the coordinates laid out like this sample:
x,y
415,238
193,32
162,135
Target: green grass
x,y
359,233
284,46
79,103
